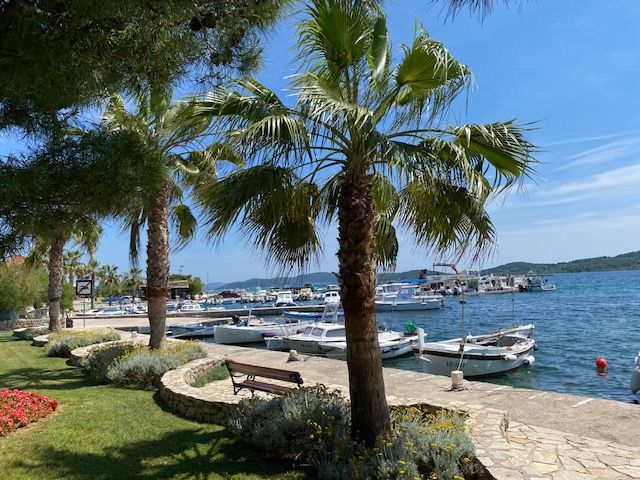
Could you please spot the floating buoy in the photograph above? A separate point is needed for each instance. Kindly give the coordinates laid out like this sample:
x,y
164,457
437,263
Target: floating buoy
x,y
601,364
529,360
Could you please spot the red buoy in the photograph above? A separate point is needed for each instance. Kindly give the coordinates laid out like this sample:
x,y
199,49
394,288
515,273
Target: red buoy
x,y
601,364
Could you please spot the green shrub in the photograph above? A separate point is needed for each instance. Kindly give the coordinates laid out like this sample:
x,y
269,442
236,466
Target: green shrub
x,y
212,374
98,361
62,343
21,286
143,367
313,425
31,332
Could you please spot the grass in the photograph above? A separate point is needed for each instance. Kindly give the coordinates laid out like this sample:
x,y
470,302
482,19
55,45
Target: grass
x,y
102,432
213,374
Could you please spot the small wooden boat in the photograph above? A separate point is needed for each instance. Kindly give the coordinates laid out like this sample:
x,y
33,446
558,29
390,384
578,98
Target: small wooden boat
x,y
479,355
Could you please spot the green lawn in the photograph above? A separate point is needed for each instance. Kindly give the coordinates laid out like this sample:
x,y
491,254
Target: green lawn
x,y
101,432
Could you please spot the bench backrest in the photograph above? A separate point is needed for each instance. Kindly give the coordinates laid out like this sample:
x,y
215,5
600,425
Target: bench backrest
x,y
266,372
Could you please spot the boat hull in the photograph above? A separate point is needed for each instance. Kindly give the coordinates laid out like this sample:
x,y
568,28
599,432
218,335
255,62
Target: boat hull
x,y
441,363
407,307
389,351
237,334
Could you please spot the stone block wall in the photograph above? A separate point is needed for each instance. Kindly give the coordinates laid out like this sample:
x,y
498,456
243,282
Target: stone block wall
x,y
191,402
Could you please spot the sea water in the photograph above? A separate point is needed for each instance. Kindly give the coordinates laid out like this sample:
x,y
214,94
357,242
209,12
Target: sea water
x,y
590,315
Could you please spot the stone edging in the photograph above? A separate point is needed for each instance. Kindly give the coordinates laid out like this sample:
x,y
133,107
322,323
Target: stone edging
x,y
191,402
40,341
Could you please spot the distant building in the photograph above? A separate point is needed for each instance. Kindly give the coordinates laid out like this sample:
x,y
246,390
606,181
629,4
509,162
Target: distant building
x,y
178,288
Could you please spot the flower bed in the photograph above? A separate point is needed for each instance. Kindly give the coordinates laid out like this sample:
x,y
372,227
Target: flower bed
x,y
18,408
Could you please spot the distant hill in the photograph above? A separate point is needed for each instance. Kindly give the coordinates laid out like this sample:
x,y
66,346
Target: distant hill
x,y
625,261
279,282
319,278
213,285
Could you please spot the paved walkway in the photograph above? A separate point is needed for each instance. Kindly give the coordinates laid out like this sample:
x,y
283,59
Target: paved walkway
x,y
548,435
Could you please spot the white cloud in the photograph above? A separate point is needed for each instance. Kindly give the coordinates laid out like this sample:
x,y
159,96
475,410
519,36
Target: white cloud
x,y
605,180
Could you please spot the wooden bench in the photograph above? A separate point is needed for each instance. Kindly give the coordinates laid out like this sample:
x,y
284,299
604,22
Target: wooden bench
x,y
250,372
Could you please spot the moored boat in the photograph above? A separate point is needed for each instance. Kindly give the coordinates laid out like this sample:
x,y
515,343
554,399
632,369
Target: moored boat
x,y
191,330
391,348
635,376
254,330
479,355
316,337
535,283
403,298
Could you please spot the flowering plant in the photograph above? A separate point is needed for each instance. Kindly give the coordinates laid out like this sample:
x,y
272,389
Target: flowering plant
x,y
19,408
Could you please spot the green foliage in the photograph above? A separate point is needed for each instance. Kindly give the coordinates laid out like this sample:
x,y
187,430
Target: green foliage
x,y
143,367
68,295
65,54
195,286
30,333
21,286
106,432
313,424
99,360
287,425
625,261
213,374
62,343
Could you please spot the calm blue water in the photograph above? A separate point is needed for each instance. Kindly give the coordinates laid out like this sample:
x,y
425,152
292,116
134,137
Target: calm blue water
x,y
590,315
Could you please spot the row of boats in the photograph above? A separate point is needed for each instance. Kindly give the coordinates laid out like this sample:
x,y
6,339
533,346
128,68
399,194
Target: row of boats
x,y
324,334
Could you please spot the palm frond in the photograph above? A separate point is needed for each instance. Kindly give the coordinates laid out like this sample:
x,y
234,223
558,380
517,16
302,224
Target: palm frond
x,y
184,223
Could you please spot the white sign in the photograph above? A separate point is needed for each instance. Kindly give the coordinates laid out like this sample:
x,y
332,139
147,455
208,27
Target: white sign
x,y
84,287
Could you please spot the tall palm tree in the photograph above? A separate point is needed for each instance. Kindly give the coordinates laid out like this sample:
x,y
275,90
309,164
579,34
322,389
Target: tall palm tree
x,y
366,143
171,138
109,278
72,264
134,280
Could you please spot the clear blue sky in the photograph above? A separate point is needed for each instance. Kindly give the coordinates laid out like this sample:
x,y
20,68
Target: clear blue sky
x,y
571,66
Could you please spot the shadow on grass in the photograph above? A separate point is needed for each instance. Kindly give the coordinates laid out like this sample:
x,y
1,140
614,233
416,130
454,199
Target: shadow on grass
x,y
41,379
200,454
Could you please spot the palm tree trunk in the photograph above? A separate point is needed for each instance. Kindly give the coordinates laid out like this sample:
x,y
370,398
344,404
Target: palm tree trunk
x,y
55,280
158,264
356,255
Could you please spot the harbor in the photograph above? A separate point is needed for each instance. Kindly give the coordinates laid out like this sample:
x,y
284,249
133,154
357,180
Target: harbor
x,y
582,320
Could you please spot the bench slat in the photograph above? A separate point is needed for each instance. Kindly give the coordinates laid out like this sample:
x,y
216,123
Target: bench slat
x,y
267,372
264,387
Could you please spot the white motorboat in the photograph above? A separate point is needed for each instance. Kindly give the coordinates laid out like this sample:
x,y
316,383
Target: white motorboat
x,y
391,348
278,344
635,376
112,311
191,330
315,338
404,299
479,355
535,283
191,308
254,330
331,297
284,299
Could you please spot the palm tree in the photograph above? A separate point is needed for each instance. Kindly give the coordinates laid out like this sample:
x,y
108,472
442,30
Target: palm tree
x,y
72,264
366,143
109,278
170,137
134,280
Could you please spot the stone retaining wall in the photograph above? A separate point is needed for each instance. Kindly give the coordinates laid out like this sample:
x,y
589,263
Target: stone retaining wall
x,y
190,402
16,323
